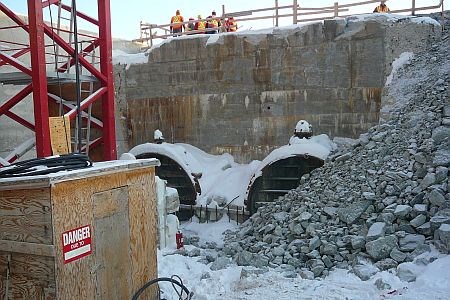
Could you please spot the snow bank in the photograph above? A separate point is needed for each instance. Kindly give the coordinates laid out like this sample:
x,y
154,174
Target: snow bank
x,y
121,57
393,18
319,146
402,60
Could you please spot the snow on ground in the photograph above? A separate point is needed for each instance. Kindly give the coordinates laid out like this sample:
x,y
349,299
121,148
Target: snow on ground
x,y
231,283
393,18
210,232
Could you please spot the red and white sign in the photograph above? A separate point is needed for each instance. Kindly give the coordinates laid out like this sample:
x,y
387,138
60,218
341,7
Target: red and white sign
x,y
76,243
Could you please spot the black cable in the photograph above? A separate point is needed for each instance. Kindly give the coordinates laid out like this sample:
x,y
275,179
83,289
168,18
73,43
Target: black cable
x,y
42,166
173,281
180,294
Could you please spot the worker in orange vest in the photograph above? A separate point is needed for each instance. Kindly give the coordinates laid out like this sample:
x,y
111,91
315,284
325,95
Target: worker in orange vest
x,y
177,25
231,25
382,8
213,23
190,26
200,25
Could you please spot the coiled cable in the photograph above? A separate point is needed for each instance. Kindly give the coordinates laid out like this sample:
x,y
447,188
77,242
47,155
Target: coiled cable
x,y
43,166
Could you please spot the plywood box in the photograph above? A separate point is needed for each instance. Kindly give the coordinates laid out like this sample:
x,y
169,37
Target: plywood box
x,y
85,234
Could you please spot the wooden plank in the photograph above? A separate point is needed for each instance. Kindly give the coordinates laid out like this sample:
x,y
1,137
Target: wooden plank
x,y
31,276
60,135
143,226
25,216
21,287
27,248
23,183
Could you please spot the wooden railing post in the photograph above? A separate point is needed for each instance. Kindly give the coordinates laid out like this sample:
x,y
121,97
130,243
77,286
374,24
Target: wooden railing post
x,y
413,10
224,28
276,13
294,12
151,36
336,9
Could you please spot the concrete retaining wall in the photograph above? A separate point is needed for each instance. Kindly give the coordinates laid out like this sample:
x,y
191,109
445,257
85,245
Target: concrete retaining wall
x,y
243,93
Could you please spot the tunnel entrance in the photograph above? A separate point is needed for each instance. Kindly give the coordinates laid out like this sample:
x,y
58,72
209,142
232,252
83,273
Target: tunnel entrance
x,y
175,176
278,178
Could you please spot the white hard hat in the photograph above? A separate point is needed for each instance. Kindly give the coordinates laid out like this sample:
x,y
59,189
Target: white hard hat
x,y
157,135
303,126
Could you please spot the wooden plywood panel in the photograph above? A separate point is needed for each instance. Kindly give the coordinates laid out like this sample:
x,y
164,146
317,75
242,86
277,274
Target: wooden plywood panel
x,y
31,276
142,210
112,244
60,135
73,206
25,216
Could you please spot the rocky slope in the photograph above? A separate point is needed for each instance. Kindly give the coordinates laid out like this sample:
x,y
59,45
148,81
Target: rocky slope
x,y
378,205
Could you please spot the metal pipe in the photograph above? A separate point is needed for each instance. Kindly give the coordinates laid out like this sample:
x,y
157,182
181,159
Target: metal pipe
x,y
77,76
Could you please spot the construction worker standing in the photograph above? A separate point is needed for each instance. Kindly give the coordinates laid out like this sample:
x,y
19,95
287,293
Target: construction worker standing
x,y
200,25
176,25
382,8
231,25
213,23
190,26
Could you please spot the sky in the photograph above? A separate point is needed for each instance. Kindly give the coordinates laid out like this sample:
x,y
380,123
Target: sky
x,y
127,15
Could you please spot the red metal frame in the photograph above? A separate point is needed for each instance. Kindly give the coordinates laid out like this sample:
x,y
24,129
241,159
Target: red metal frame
x,y
37,29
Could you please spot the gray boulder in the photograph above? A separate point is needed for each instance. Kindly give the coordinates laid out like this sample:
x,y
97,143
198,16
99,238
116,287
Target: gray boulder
x,y
220,263
377,230
244,258
364,272
381,247
352,212
411,242
407,272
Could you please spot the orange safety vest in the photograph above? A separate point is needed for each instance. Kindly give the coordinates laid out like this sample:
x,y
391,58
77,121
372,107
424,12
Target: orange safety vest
x,y
201,25
382,9
177,19
232,25
213,23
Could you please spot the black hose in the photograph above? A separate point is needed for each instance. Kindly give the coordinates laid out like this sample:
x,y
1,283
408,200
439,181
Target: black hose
x,y
153,281
42,166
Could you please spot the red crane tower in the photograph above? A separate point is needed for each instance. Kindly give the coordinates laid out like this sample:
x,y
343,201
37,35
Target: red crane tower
x,y
53,84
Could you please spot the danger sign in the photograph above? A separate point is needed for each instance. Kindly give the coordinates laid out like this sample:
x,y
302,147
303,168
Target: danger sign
x,y
76,243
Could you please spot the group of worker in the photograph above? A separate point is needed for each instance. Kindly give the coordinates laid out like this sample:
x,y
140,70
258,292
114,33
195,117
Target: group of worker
x,y
211,25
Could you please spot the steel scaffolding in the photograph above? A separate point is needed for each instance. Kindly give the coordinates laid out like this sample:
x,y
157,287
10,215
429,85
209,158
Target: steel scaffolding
x,y
39,76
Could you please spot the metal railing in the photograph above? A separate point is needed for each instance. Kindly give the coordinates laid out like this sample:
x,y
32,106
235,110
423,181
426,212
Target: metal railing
x,y
295,11
213,213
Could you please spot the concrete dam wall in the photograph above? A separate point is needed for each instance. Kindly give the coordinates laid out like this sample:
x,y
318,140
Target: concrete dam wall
x,y
243,93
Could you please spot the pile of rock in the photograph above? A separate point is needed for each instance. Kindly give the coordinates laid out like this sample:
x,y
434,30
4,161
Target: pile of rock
x,y
375,207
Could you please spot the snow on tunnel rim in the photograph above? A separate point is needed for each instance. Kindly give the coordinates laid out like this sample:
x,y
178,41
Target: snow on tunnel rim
x,y
220,174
